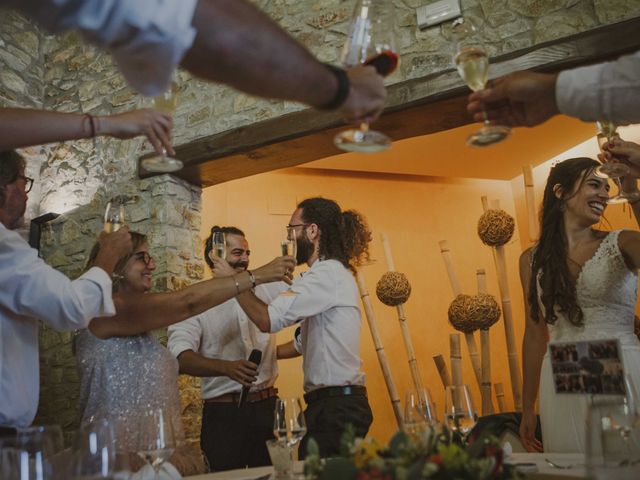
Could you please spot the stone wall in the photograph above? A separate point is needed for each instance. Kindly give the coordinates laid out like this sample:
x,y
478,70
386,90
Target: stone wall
x,y
77,178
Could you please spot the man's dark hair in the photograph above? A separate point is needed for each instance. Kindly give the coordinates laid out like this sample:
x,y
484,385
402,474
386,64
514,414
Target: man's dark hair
x,y
344,236
208,244
11,164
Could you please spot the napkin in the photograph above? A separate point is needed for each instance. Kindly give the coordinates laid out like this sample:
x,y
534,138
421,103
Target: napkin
x,y
166,472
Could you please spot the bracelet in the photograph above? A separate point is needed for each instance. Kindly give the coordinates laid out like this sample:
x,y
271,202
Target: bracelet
x,y
237,285
92,124
344,86
252,279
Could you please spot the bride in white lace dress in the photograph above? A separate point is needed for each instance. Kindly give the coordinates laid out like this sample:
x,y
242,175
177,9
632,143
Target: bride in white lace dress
x,y
579,284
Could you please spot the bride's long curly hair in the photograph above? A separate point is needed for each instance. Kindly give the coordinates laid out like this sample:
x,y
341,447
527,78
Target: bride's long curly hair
x,y
550,254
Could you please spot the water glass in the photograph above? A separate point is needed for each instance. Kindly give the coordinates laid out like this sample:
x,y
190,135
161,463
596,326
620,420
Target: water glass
x,y
95,450
288,423
281,454
460,413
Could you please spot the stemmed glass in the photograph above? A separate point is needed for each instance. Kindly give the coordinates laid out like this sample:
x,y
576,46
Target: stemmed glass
x,y
472,62
167,103
419,413
370,41
460,414
24,462
114,215
156,439
95,450
219,243
288,422
289,246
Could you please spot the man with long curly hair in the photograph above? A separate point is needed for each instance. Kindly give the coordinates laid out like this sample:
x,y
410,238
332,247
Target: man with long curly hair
x,y
332,243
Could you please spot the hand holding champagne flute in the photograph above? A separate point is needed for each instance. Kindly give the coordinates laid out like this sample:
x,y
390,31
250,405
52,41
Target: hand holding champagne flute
x,y
114,215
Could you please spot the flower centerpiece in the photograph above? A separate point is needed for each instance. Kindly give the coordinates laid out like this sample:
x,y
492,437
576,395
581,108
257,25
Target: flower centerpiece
x,y
429,455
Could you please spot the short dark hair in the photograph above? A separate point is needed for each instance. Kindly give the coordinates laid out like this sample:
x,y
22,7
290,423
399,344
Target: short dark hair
x,y
11,164
208,244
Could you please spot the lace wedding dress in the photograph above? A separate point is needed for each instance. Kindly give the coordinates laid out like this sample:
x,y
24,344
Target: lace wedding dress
x,y
607,294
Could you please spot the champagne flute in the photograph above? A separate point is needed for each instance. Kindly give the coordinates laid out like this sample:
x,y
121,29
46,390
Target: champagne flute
x,y
165,102
288,423
289,246
472,62
114,215
94,450
219,243
607,131
370,41
460,413
156,439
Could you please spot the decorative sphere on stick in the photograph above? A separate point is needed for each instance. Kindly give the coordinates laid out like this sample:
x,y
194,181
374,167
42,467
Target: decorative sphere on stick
x,y
393,288
495,227
468,313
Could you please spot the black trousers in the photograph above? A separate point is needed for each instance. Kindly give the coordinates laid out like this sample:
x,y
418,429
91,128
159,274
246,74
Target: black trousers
x,y
327,419
233,437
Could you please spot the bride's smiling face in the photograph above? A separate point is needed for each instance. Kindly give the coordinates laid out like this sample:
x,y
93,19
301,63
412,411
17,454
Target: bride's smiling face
x,y
588,199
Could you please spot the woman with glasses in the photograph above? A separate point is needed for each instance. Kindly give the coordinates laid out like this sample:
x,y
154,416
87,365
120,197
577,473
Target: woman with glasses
x,y
124,370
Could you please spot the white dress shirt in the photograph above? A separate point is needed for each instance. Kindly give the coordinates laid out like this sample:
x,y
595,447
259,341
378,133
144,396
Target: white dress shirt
x,y
328,306
224,332
31,290
147,38
605,91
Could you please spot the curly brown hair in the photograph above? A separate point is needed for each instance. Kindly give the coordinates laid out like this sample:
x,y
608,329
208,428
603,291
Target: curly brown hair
x,y
549,261
344,236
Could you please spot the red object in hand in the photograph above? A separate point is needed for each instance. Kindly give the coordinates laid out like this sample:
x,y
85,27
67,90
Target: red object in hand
x,y
385,62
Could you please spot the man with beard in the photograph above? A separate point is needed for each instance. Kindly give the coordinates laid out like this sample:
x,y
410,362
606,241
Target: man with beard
x,y
215,345
31,290
332,243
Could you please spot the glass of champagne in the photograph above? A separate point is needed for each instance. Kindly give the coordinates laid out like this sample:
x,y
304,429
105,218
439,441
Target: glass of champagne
x,y
288,422
114,215
289,246
460,413
219,243
156,439
165,102
370,41
472,62
607,131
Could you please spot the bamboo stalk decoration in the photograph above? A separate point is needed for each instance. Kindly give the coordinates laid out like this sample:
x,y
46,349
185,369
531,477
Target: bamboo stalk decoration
x,y
406,336
509,332
455,286
530,198
456,366
500,397
382,356
485,354
443,371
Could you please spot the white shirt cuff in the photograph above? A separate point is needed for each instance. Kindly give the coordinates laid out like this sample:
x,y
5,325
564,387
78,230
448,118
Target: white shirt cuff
x,y
100,277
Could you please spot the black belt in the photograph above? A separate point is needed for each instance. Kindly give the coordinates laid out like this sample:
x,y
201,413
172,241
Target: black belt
x,y
7,431
327,392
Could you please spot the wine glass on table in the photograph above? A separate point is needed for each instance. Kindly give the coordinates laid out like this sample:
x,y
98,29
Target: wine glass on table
x,y
165,102
472,62
419,414
460,413
370,41
288,424
156,439
94,451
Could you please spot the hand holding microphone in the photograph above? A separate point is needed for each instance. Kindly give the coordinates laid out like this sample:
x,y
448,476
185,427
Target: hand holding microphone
x,y
254,357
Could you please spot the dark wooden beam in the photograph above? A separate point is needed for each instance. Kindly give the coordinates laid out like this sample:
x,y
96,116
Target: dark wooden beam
x,y
418,106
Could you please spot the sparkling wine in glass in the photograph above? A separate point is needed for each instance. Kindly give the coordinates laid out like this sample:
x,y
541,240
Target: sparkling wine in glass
x,y
460,413
289,246
288,423
114,215
165,102
370,41
472,62
219,243
156,439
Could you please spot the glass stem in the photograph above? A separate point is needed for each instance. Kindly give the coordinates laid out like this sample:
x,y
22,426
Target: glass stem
x,y
364,127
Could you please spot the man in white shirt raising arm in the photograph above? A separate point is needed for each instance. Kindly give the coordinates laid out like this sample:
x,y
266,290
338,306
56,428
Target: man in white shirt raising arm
x,y
605,91
215,345
32,290
226,41
332,243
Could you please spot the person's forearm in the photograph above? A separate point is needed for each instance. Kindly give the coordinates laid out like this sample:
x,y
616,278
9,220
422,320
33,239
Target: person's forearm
x,y
239,45
287,350
533,350
192,363
256,310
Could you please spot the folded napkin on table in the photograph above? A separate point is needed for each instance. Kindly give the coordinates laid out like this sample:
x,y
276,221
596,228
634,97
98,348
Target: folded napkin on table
x,y
166,472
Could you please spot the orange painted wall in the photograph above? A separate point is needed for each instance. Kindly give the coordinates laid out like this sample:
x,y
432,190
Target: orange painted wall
x,y
416,213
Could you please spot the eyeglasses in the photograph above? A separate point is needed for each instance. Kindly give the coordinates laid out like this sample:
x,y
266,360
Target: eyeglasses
x,y
289,227
28,183
143,257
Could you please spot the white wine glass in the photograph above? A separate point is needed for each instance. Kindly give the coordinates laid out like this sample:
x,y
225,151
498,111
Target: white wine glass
x,y
24,462
114,215
219,244
289,246
156,439
166,102
288,422
370,41
472,62
95,450
460,413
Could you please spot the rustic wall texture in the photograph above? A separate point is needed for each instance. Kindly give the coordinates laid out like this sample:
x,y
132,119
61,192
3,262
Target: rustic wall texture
x,y
77,178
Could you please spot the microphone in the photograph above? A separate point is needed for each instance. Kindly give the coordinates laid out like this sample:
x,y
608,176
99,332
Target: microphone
x,y
255,356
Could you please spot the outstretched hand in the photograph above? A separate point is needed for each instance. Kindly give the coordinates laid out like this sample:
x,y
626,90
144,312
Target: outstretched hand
x,y
366,97
155,125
